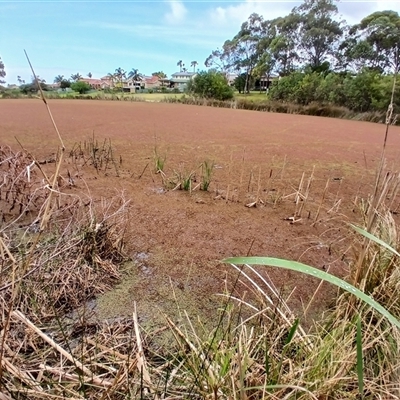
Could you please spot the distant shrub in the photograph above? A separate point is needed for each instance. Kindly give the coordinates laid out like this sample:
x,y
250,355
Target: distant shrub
x,y
80,87
210,85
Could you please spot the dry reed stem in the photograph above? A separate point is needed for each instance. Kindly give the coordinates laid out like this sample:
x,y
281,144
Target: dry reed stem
x,y
141,360
307,192
321,203
241,175
18,315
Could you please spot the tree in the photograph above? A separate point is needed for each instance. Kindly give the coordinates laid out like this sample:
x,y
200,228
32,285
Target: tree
x,y
80,86
20,80
65,83
283,45
360,90
76,77
246,46
58,78
160,74
210,84
2,72
317,30
33,87
194,64
180,64
240,83
374,42
89,75
111,77
134,74
120,76
220,58
243,52
265,66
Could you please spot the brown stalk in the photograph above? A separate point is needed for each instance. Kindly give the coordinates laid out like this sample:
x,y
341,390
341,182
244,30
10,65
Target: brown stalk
x,y
321,202
43,224
141,360
241,175
307,193
78,364
379,186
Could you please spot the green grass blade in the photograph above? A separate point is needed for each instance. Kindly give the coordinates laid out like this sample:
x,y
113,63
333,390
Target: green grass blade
x,y
292,331
360,364
306,269
374,239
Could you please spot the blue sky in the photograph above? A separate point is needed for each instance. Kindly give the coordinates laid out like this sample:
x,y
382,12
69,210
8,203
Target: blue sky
x,y
65,37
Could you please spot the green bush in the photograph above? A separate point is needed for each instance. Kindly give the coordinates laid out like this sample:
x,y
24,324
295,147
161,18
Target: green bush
x,y
80,87
286,87
210,85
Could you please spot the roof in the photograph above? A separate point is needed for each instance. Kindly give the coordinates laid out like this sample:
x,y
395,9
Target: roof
x,y
179,80
188,74
272,76
93,81
152,79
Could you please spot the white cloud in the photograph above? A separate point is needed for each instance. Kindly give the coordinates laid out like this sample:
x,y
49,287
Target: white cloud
x,y
234,14
178,12
353,11
237,13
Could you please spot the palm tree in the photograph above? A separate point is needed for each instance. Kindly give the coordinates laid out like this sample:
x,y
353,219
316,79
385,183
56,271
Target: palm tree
x,y
58,78
180,64
111,78
76,77
134,74
194,64
120,75
89,75
20,80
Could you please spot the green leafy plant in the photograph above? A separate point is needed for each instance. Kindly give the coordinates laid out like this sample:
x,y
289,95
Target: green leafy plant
x,y
207,168
306,269
159,162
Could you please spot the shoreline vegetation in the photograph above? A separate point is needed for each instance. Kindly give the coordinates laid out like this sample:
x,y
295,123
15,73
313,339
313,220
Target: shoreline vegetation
x,y
253,101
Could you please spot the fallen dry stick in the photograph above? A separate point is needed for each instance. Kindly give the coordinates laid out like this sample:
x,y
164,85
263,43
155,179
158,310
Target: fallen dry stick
x,y
101,382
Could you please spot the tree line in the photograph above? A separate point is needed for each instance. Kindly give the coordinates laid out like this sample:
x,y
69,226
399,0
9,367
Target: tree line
x,y
317,56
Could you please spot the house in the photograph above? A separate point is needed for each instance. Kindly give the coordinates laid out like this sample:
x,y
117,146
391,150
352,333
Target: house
x,y
180,80
107,80
267,81
132,85
152,82
97,84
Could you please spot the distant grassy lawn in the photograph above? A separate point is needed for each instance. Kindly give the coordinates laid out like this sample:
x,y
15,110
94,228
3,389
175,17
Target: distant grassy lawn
x,y
155,96
139,96
252,96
